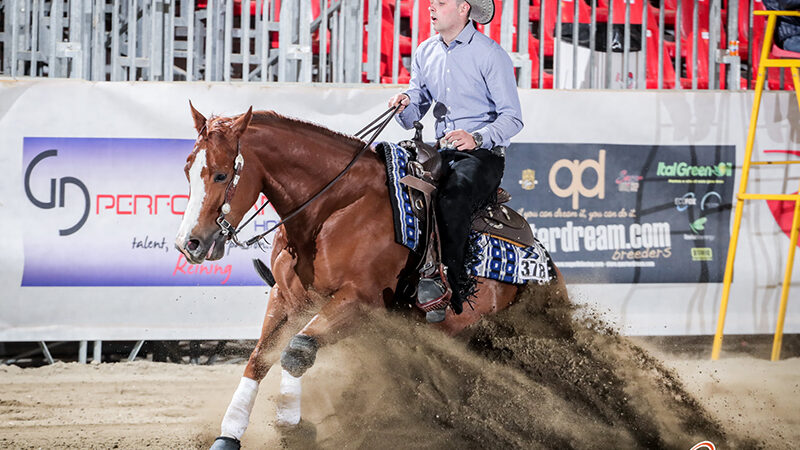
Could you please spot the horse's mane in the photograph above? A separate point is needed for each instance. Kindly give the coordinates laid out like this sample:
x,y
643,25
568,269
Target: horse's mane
x,y
271,118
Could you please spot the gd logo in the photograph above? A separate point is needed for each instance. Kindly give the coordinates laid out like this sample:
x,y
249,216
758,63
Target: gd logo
x,y
576,186
63,182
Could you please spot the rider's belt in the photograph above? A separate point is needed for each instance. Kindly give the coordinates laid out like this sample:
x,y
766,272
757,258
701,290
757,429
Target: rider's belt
x,y
499,150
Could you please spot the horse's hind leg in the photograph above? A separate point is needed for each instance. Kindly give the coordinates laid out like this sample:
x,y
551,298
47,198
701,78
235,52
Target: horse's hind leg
x,y
237,415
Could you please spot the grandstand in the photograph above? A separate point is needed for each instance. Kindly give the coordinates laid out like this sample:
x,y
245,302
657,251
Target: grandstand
x,y
674,44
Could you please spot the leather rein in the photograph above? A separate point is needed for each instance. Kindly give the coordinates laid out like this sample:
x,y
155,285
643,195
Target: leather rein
x,y
231,233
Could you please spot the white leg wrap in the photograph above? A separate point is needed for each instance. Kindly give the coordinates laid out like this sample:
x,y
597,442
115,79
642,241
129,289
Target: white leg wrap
x,y
237,417
289,401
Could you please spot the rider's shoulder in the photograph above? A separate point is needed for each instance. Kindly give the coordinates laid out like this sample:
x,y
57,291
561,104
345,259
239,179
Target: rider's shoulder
x,y
429,44
490,50
485,42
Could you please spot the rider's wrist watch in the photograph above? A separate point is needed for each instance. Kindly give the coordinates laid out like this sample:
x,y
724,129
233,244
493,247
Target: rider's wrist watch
x,y
478,138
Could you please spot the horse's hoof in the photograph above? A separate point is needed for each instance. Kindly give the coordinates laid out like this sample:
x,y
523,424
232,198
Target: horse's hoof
x,y
226,443
299,355
302,435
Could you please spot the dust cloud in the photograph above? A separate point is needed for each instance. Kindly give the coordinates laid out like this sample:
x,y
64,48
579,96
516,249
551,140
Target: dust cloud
x,y
540,374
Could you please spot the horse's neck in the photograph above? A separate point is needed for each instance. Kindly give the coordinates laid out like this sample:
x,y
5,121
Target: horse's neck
x,y
296,165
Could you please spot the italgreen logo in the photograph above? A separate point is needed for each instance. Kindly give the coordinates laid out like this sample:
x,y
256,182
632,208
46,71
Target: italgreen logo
x,y
682,169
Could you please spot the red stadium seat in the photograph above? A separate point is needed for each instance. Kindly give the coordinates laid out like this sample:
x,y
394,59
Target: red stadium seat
x,y
773,74
546,77
667,64
619,11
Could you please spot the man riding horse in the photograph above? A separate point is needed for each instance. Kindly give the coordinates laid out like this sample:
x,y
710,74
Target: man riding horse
x,y
471,80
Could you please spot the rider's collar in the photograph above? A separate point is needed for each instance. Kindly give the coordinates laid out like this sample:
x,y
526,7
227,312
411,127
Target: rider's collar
x,y
465,35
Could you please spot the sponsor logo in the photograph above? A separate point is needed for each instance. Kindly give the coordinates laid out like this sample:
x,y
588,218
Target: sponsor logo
x,y
705,445
698,237
711,200
118,204
62,191
702,254
683,203
576,188
575,238
528,181
698,225
135,204
682,169
209,268
627,182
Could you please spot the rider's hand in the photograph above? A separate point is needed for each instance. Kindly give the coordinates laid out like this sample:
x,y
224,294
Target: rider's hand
x,y
461,139
400,99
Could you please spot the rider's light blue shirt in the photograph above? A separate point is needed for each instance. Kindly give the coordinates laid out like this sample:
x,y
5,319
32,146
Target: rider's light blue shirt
x,y
472,82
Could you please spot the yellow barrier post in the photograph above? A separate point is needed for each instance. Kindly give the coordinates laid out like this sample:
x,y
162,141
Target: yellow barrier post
x,y
764,63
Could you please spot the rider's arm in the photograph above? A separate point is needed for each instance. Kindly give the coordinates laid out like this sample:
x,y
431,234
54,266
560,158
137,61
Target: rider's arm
x,y
418,94
502,86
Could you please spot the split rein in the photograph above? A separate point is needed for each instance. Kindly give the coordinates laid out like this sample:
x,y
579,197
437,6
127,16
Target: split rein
x,y
228,230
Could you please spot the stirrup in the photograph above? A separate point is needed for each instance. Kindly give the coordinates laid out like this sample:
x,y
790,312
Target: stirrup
x,y
433,297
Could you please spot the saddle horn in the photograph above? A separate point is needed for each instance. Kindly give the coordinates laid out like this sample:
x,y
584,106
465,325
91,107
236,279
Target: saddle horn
x,y
418,132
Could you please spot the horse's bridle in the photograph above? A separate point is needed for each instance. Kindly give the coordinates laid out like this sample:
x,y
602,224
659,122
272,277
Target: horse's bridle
x,y
231,233
224,225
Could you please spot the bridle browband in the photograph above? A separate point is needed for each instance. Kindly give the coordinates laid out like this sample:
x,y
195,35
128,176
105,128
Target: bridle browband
x,y
231,233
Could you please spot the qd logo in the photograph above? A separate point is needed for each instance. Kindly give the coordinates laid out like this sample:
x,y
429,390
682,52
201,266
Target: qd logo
x,y
63,182
576,186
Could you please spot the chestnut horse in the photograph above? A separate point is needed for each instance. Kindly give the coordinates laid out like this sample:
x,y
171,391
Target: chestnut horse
x,y
338,255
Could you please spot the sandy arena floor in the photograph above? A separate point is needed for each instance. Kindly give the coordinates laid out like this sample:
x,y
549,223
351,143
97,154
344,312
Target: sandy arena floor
x,y
399,385
162,405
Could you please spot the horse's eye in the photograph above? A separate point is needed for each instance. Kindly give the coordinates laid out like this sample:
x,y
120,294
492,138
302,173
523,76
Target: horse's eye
x,y
220,177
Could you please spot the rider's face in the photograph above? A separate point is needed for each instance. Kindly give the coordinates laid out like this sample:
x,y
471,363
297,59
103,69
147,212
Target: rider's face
x,y
448,16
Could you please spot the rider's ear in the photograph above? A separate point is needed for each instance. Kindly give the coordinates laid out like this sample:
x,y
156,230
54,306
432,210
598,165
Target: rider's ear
x,y
242,122
199,120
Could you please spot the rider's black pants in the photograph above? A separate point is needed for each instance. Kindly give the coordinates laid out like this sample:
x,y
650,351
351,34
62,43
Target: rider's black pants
x,y
470,179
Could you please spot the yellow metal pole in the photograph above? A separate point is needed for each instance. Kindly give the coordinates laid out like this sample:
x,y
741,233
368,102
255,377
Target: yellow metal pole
x,y
796,80
787,277
751,135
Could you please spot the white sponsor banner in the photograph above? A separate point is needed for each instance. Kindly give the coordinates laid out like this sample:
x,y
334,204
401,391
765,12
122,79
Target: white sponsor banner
x,y
94,190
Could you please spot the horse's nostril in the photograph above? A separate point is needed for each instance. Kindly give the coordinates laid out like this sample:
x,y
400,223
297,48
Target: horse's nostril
x,y
192,244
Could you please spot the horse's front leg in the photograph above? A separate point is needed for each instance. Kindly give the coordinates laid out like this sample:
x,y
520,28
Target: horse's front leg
x,y
237,416
299,355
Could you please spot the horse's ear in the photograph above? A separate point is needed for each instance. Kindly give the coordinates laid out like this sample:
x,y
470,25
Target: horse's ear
x,y
199,120
242,122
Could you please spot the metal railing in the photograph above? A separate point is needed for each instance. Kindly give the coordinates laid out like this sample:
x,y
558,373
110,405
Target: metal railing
x,y
670,44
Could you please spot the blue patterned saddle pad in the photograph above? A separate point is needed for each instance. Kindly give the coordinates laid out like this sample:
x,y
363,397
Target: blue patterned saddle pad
x,y
497,259
504,261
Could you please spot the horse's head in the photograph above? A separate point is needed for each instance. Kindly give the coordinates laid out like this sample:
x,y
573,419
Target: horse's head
x,y
210,169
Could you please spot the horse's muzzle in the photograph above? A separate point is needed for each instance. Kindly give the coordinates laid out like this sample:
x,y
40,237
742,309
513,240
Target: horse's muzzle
x,y
198,250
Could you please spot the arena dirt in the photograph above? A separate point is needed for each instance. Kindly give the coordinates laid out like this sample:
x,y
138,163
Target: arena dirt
x,y
532,376
542,374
